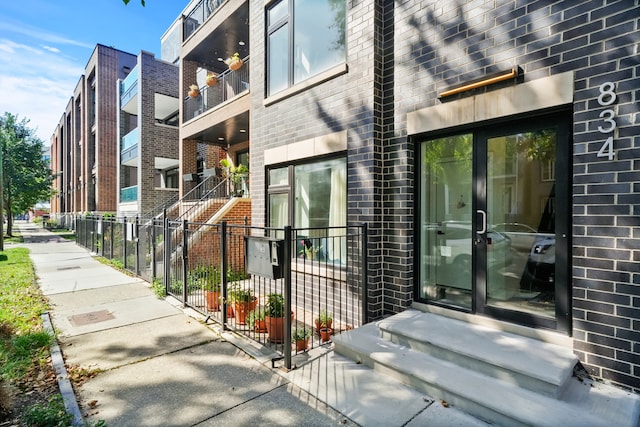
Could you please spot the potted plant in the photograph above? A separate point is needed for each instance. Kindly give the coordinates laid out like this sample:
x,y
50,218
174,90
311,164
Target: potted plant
x,y
237,174
325,334
194,91
234,63
309,251
324,320
255,320
211,80
243,302
274,317
211,289
300,336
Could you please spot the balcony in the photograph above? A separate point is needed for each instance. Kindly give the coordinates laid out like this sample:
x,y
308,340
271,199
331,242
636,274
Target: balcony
x,y
230,84
198,15
129,148
129,194
129,92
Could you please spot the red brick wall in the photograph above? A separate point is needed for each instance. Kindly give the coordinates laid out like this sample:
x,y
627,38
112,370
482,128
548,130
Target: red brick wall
x,y
205,247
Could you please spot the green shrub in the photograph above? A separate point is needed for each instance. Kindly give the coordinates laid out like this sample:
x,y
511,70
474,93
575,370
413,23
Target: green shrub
x,y
52,414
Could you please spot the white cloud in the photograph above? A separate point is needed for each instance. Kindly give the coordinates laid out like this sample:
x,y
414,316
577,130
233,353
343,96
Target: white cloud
x,y
39,34
51,49
37,84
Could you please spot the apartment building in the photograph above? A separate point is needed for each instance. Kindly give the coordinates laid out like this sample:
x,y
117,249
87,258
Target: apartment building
x,y
148,133
491,146
115,148
84,145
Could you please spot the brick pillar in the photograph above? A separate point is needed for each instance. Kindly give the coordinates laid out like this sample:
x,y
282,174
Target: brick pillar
x,y
188,154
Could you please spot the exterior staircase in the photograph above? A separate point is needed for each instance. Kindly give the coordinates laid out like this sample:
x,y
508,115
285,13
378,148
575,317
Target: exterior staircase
x,y
499,377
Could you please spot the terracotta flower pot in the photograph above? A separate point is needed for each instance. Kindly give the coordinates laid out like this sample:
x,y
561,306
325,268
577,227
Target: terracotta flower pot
x,y
325,334
211,80
275,329
194,91
260,326
235,64
242,310
212,299
321,325
301,345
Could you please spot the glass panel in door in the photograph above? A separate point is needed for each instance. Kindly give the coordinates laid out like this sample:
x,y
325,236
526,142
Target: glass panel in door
x,y
446,220
520,206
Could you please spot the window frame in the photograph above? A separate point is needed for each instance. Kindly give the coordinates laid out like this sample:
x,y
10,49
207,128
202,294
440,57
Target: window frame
x,y
316,77
290,186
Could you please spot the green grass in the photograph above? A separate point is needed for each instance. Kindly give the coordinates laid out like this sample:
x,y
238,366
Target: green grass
x,y
50,414
15,238
21,302
24,344
22,338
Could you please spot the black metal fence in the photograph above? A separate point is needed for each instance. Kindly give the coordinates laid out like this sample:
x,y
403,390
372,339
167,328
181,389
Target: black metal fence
x,y
247,278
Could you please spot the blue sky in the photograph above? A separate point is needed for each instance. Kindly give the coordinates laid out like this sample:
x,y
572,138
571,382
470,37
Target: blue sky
x,y
46,44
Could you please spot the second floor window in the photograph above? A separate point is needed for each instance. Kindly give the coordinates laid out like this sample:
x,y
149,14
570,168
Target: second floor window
x,y
304,38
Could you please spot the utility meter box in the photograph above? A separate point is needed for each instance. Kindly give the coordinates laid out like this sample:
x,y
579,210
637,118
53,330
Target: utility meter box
x,y
264,256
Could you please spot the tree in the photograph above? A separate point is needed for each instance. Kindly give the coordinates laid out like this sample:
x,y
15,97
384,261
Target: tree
x,y
26,177
127,2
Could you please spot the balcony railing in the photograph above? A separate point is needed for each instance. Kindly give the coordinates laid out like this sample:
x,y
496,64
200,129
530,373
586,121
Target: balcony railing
x,y
129,155
129,140
129,86
129,194
230,84
198,15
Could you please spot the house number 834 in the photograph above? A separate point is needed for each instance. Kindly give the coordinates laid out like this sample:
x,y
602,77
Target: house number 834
x,y
607,97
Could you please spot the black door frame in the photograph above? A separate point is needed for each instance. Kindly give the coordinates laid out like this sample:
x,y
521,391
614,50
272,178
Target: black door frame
x,y
561,120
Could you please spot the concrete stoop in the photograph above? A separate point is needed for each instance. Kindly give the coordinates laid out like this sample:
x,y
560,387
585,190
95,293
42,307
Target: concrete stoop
x,y
501,378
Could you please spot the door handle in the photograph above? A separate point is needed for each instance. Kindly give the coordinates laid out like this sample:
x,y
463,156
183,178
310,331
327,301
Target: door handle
x,y
483,222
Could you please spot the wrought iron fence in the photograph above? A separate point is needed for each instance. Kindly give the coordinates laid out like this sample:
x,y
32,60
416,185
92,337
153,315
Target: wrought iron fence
x,y
270,285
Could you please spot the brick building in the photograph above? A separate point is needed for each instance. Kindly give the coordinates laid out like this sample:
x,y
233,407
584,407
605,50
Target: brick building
x,y
148,128
115,148
491,147
84,145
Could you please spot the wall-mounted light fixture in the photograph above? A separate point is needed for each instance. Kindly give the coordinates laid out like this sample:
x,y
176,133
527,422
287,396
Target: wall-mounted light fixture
x,y
485,81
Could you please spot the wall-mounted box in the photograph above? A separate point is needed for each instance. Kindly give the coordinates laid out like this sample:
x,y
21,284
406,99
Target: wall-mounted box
x,y
264,256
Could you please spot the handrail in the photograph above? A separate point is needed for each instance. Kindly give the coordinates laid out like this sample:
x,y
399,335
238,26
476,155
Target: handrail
x,y
174,201
157,211
223,184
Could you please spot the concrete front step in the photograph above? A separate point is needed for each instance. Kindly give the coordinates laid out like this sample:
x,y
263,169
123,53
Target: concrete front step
x,y
526,362
502,402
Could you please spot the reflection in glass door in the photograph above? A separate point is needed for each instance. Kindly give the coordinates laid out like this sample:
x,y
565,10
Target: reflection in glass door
x,y
446,226
520,207
492,218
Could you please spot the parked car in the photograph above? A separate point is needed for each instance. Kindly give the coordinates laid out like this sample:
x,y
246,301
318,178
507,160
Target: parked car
x,y
522,236
452,248
539,274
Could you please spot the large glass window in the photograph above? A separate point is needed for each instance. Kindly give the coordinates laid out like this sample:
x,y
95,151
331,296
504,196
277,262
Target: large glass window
x,y
304,38
318,200
320,194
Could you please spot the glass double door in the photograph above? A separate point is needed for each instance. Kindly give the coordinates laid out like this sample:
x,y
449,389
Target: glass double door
x,y
493,222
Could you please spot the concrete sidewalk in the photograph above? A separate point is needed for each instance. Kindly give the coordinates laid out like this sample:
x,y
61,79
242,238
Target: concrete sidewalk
x,y
155,364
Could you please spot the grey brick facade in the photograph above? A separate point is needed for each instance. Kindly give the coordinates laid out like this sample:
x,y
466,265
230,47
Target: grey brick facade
x,y
400,56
